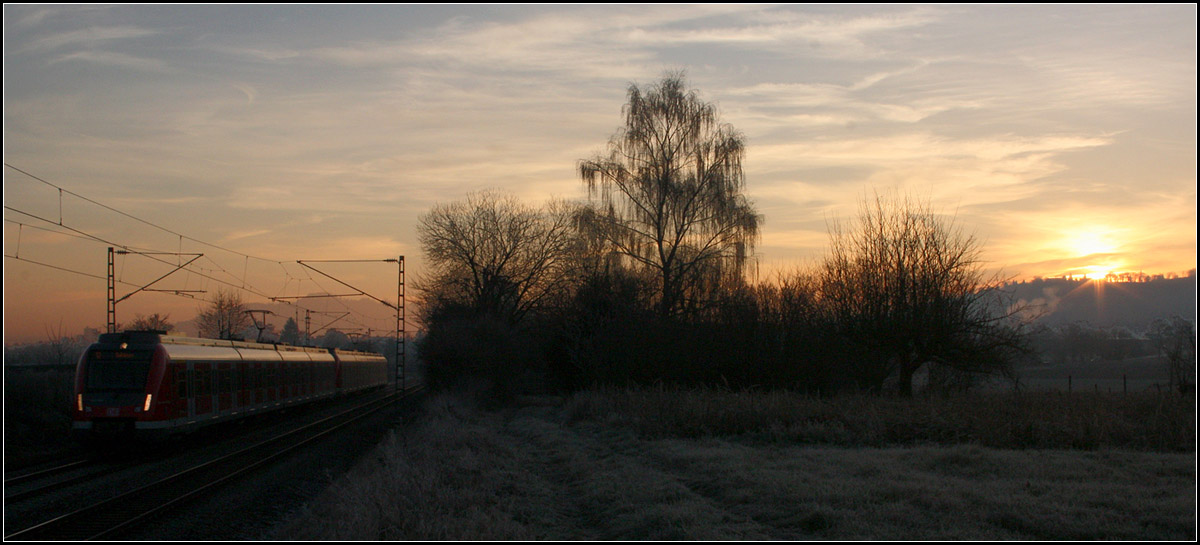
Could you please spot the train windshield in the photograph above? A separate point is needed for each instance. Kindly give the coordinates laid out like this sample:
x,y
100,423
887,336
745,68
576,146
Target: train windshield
x,y
109,370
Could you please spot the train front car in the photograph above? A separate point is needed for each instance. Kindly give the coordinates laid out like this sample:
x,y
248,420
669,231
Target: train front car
x,y
117,384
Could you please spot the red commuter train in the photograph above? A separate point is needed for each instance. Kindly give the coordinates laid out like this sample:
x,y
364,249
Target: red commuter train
x,y
144,384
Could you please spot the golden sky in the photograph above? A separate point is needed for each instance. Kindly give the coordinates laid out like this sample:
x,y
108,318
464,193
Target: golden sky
x,y
1063,136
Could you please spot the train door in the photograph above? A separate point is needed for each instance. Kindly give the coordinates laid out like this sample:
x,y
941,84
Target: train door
x,y
203,399
180,407
261,384
280,381
285,391
272,373
256,395
240,386
191,389
224,387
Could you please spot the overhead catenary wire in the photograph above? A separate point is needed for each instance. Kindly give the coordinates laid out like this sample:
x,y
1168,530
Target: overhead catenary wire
x,y
132,217
149,253
144,252
84,235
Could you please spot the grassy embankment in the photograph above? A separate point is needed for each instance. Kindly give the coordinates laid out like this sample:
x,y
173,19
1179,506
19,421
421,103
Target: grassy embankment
x,y
37,414
655,464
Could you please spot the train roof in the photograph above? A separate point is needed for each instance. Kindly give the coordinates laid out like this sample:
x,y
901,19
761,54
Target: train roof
x,y
161,337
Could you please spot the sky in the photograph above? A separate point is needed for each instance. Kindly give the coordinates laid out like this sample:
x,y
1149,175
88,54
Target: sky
x,y
1063,137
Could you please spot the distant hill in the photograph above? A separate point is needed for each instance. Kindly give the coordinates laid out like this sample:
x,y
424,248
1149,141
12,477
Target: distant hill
x,y
1131,304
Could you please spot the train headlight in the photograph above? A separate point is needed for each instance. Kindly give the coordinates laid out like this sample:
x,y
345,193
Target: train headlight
x,y
146,405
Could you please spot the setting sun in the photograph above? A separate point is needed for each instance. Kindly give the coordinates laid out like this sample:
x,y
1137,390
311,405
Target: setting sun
x,y
1096,251
1091,242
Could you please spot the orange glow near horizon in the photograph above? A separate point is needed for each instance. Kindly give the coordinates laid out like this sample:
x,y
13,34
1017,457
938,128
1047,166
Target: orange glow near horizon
x,y
1094,240
175,130
1099,250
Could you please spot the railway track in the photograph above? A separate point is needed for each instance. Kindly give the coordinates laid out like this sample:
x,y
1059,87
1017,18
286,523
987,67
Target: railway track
x,y
108,518
44,473
55,478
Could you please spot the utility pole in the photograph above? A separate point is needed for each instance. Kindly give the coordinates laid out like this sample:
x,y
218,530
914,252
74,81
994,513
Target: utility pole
x,y
112,282
398,307
401,347
112,294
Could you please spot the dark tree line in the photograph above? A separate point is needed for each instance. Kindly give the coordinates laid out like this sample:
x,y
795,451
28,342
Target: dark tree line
x,y
645,282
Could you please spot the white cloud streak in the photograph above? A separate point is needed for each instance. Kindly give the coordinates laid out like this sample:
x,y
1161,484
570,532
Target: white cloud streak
x,y
992,111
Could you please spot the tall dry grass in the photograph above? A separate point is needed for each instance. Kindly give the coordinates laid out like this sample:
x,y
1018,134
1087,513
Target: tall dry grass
x,y
1146,421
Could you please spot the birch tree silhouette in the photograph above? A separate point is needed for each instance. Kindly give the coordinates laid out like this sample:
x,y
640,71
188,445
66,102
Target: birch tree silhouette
x,y
668,195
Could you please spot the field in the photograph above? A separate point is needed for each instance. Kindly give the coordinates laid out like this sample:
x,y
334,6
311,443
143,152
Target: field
x,y
1131,374
37,413
675,465
704,464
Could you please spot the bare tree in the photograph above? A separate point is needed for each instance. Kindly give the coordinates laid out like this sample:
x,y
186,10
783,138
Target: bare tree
x,y
224,317
496,255
668,195
906,289
153,322
58,346
1176,340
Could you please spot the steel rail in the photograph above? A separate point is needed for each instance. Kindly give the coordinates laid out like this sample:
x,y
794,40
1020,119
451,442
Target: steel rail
x,y
26,477
106,518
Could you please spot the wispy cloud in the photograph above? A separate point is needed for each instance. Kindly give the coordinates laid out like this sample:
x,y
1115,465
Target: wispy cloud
x,y
89,37
115,59
823,35
1012,115
238,235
